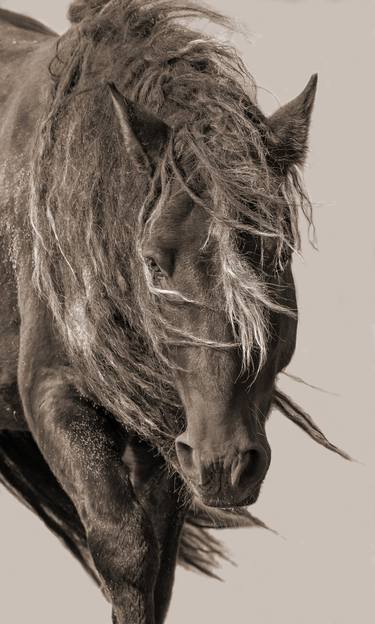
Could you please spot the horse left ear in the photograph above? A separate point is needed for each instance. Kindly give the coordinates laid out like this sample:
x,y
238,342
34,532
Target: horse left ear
x,y
144,134
290,128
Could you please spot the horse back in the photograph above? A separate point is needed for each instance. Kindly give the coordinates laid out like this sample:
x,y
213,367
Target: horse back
x,y
24,58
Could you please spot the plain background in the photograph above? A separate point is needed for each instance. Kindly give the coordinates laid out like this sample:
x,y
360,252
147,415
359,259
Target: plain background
x,y
322,571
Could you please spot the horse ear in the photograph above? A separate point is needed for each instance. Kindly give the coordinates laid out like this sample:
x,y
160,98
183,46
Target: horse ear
x,y
290,128
144,134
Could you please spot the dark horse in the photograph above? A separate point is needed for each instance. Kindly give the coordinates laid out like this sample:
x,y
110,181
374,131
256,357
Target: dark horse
x,y
149,215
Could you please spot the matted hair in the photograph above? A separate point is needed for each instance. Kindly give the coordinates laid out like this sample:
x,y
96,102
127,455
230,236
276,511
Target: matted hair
x,y
87,202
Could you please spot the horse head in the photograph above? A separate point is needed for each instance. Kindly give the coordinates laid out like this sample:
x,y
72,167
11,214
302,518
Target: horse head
x,y
231,306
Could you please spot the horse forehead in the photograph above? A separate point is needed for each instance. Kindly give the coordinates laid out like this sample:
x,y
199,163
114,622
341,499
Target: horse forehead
x,y
181,223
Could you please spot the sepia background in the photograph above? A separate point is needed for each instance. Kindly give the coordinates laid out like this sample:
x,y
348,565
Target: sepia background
x,y
321,567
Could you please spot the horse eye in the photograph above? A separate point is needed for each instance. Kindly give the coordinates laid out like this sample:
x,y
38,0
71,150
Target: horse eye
x,y
155,270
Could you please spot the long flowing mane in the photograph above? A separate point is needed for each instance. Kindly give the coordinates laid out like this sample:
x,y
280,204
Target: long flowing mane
x,y
86,200
86,229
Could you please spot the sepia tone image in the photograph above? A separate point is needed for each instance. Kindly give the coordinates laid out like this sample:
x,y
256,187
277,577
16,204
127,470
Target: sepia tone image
x,y
187,311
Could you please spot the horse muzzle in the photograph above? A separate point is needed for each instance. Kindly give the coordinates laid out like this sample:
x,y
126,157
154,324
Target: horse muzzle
x,y
224,481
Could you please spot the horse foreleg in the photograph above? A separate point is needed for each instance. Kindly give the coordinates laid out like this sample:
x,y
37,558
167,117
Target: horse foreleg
x,y
84,450
159,495
165,580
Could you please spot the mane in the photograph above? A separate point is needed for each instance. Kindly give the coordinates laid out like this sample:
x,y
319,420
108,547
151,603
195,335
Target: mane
x,y
86,244
24,22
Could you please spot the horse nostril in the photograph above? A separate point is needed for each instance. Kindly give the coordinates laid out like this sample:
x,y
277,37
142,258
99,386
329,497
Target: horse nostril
x,y
247,468
185,457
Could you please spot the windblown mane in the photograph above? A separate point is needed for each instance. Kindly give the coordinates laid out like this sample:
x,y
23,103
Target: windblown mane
x,y
87,200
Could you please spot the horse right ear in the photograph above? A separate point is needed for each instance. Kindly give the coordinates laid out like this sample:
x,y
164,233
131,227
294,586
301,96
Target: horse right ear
x,y
290,128
145,135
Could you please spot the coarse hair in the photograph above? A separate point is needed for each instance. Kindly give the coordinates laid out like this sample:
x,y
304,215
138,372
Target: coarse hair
x,y
90,205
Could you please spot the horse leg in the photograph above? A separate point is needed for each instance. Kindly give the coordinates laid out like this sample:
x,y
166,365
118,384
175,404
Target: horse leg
x,y
158,493
169,551
84,450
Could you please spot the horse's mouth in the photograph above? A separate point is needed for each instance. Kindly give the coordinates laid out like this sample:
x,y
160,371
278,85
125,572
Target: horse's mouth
x,y
226,502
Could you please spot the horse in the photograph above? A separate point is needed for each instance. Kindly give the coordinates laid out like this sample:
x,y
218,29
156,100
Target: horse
x,y
149,219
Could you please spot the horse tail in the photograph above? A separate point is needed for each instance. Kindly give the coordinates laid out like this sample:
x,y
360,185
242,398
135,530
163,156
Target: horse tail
x,y
24,472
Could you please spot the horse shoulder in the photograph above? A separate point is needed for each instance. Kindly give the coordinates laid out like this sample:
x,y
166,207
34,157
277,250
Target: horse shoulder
x,y
11,416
